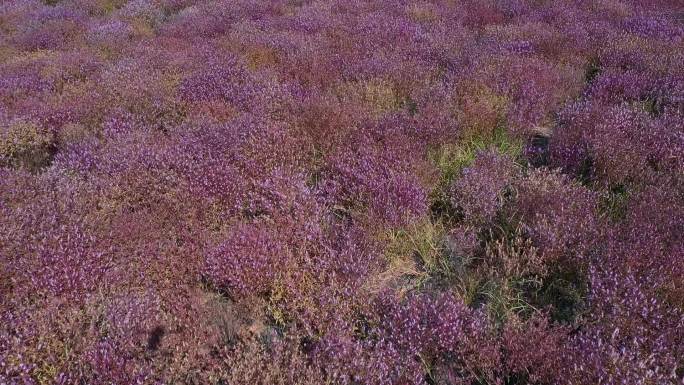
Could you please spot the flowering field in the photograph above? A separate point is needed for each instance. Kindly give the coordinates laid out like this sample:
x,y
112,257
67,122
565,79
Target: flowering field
x,y
443,192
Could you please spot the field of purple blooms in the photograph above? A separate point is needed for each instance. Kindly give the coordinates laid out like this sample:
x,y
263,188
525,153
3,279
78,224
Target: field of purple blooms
x,y
442,192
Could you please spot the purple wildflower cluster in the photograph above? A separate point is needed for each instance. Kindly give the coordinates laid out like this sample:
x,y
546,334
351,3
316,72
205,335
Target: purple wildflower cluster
x,y
342,192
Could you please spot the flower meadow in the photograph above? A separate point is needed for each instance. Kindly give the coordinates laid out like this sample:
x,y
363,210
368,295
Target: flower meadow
x,y
442,192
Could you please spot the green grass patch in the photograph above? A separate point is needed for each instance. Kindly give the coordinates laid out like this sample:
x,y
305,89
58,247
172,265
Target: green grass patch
x,y
417,257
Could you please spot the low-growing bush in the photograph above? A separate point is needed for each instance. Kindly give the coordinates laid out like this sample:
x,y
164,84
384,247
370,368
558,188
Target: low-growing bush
x,y
26,145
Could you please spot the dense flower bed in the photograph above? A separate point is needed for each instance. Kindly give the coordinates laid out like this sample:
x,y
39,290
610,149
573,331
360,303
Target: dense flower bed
x,y
341,192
